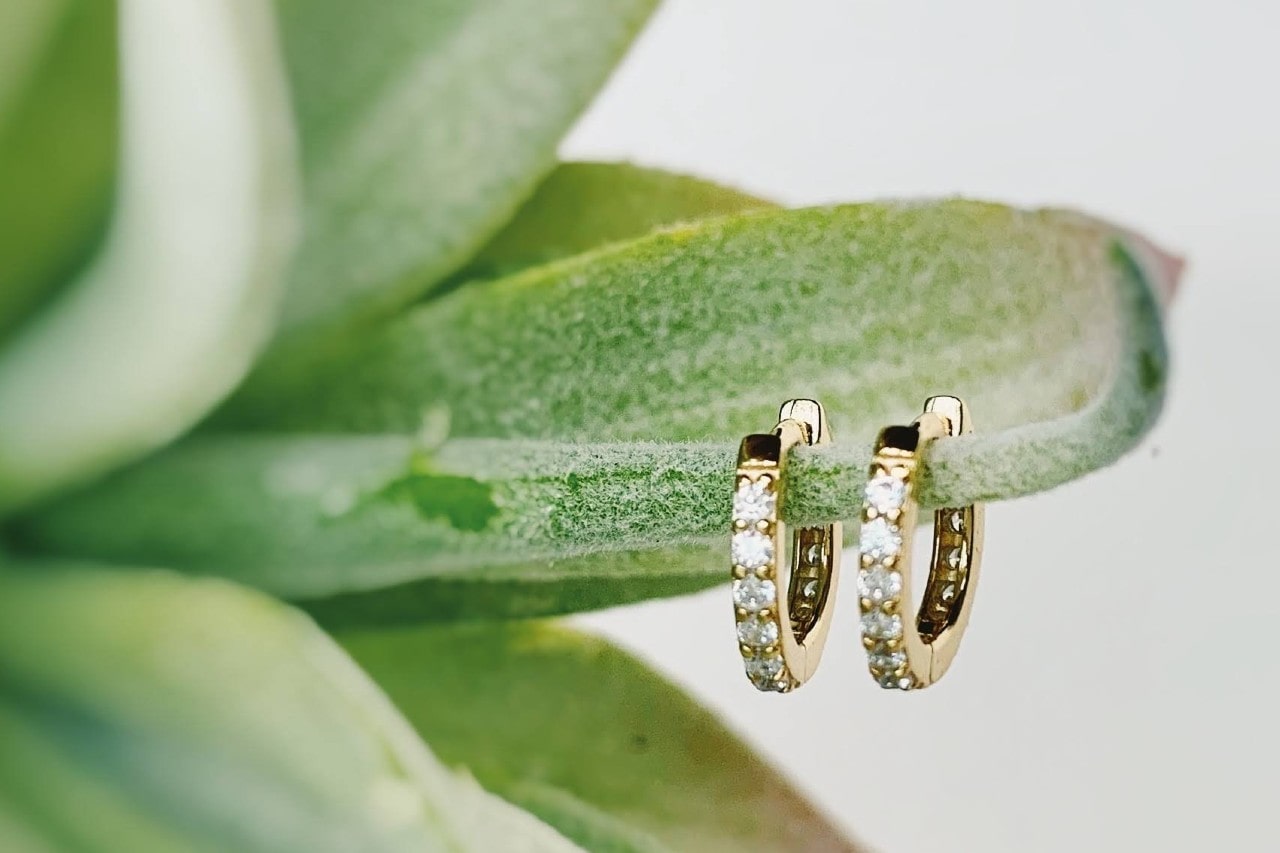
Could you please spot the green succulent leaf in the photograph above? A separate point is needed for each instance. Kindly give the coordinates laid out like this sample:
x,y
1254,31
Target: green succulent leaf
x,y
143,711
701,331
169,316
58,117
582,206
631,764
423,128
1049,323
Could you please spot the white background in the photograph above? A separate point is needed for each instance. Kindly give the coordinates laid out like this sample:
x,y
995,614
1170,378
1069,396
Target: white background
x,y
1117,688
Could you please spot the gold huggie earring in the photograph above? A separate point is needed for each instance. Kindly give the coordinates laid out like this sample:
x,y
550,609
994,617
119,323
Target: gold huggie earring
x,y
905,653
780,636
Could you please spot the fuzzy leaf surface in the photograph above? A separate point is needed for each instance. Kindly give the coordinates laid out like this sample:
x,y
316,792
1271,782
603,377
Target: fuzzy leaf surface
x,y
699,332
582,206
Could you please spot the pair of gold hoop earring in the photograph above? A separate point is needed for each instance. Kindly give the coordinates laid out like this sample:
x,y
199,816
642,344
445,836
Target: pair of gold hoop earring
x,y
783,604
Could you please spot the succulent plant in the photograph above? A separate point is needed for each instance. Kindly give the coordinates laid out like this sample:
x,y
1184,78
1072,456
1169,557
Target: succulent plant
x,y
320,378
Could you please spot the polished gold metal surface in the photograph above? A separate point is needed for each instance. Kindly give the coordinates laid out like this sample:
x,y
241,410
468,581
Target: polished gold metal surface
x,y
784,585
907,651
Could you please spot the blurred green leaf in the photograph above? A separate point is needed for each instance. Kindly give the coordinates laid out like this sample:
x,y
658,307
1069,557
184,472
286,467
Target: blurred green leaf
x,y
521,591
630,764
1049,323
58,131
26,29
145,712
582,206
423,128
172,312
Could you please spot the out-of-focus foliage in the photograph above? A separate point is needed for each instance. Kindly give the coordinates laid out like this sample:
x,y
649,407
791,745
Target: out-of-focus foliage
x,y
629,763
145,711
58,142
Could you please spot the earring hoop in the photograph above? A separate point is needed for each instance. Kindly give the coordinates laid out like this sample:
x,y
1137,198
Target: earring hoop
x,y
903,652
781,603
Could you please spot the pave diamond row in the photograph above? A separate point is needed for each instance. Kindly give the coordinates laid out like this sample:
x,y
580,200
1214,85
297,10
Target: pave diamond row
x,y
755,592
880,583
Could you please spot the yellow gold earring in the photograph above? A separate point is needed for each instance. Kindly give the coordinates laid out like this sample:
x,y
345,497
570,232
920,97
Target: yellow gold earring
x,y
906,652
781,604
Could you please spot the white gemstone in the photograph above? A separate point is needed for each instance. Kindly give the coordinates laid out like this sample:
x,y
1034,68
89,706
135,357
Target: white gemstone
x,y
956,520
753,594
770,685
754,631
763,667
949,592
879,583
885,493
752,549
880,539
955,557
754,501
883,660
889,681
879,625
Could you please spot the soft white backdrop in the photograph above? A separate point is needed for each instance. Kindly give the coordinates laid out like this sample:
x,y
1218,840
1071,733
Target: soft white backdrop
x,y
1117,689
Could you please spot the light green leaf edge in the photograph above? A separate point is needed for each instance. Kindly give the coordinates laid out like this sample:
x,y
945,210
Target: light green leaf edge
x,y
378,520
143,711
582,206
58,130
423,129
630,764
172,313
